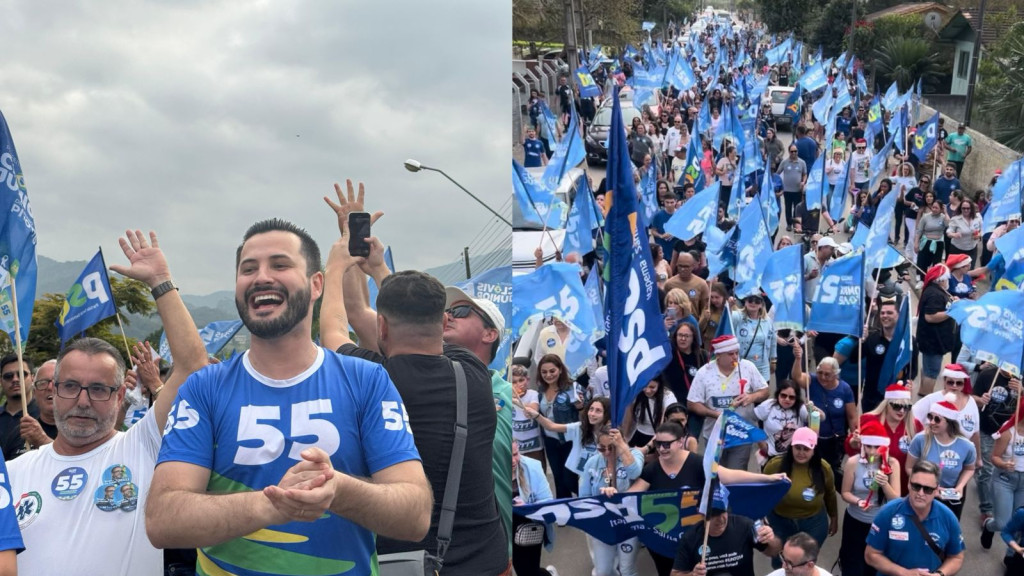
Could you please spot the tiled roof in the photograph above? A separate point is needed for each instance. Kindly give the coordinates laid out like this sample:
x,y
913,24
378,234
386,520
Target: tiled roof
x,y
912,8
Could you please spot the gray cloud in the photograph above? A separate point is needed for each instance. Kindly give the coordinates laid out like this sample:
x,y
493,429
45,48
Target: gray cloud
x,y
196,119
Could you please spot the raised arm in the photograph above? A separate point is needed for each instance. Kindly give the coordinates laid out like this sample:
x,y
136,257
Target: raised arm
x,y
149,265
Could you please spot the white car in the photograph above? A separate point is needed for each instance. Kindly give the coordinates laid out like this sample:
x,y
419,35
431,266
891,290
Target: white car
x,y
779,95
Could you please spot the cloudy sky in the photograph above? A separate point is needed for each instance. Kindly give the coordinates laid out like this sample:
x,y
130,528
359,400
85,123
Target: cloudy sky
x,y
198,118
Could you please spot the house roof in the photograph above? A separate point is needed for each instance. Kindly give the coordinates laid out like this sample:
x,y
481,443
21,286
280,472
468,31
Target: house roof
x,y
964,22
909,8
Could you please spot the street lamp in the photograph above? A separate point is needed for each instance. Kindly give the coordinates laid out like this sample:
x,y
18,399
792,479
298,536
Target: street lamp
x,y
415,166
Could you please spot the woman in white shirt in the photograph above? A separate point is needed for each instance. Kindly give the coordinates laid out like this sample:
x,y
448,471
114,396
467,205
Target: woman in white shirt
x,y
646,413
964,230
835,166
780,417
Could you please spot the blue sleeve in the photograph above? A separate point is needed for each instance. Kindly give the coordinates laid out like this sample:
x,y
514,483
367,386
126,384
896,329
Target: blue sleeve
x,y
10,533
877,538
845,347
586,485
633,470
848,395
1014,526
384,426
954,545
915,445
188,434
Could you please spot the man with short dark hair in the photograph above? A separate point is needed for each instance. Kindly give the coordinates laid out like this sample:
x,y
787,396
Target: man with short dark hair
x,y
908,534
958,148
65,509
409,327
309,444
17,387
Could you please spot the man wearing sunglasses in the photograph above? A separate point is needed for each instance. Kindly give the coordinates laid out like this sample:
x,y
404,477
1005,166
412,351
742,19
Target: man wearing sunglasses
x,y
16,384
897,546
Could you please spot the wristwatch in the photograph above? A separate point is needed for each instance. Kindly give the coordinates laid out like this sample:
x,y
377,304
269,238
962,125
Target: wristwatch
x,y
162,288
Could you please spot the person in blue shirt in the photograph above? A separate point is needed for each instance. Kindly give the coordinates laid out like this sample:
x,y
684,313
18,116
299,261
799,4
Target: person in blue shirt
x,y
896,545
533,150
807,148
945,184
1013,535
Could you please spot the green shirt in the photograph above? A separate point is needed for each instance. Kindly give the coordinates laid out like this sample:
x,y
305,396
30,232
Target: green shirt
x,y
957,144
501,462
803,500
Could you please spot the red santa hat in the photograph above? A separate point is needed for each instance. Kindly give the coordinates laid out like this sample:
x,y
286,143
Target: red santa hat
x,y
947,408
934,273
957,261
954,371
725,343
873,434
897,391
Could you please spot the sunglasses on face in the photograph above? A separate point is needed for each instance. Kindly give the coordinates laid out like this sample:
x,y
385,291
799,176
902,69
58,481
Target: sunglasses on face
x,y
934,419
8,376
601,448
464,310
663,444
900,407
787,396
929,490
956,383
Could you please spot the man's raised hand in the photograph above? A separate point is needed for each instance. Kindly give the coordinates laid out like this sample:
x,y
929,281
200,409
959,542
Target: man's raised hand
x,y
148,263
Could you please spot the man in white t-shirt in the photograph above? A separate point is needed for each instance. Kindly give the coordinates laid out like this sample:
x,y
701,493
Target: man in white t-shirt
x,y
727,381
800,557
82,497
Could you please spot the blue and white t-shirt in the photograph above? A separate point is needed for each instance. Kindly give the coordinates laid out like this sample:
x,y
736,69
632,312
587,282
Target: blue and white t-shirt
x,y
249,429
951,457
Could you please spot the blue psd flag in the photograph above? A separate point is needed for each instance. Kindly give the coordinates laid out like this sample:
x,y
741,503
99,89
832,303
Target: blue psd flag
x,y
838,304
723,248
992,327
699,213
892,256
659,519
784,285
648,26
681,75
638,347
538,206
88,301
1011,246
754,246
214,335
838,195
769,203
693,173
925,138
17,240
822,108
495,285
879,162
891,96
795,103
596,297
579,238
899,352
814,77
875,116
1006,197
588,88
877,242
567,154
862,84
817,186
549,124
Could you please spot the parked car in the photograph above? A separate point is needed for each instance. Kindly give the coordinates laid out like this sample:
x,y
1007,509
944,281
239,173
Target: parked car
x,y
779,95
597,134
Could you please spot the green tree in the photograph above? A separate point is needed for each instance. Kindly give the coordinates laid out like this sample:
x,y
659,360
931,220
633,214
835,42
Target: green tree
x,y
613,22
1001,92
904,60
831,32
784,16
131,296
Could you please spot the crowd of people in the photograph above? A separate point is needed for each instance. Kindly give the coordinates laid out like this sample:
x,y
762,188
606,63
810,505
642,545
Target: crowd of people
x,y
887,449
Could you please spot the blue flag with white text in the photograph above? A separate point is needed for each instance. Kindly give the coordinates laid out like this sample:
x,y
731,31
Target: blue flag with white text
x,y
877,241
993,327
88,301
1011,247
785,288
838,305
579,237
1006,197
214,335
899,352
567,154
17,240
495,285
753,248
696,215
538,205
638,347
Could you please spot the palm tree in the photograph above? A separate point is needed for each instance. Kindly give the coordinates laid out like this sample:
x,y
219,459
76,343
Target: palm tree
x,y
1005,101
905,60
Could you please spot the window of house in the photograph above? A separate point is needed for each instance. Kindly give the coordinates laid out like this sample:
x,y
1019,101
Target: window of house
x,y
964,65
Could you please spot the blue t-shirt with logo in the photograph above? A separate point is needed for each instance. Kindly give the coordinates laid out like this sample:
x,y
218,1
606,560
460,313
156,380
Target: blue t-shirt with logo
x,y
833,404
248,430
894,534
951,457
532,150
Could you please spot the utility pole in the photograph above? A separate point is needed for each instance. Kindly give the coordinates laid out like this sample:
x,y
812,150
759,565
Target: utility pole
x,y
973,76
570,36
465,257
853,24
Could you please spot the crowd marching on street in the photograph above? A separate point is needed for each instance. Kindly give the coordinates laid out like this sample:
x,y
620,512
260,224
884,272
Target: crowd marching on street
x,y
832,323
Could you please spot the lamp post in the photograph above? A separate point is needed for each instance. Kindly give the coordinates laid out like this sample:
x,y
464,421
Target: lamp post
x,y
414,166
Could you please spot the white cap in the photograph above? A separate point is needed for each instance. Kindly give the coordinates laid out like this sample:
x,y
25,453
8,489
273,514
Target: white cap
x,y
827,241
488,308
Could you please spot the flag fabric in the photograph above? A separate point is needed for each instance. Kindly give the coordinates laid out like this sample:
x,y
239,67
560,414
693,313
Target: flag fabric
x,y
579,237
991,326
877,241
567,154
822,107
214,335
814,77
925,138
899,352
875,115
1006,197
795,103
817,186
550,123
596,298
693,173
725,325
1011,246
769,203
658,518
87,302
837,197
554,289
754,245
638,347
730,431
648,26
862,84
892,256
784,286
838,304
697,214
588,88
722,249
680,73
880,161
891,96
649,193
538,206
495,285
17,240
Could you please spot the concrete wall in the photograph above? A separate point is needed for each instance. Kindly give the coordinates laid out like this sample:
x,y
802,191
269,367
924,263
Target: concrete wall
x,y
986,157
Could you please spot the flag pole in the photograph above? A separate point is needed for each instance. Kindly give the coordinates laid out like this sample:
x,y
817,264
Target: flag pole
x,y
26,392
113,299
